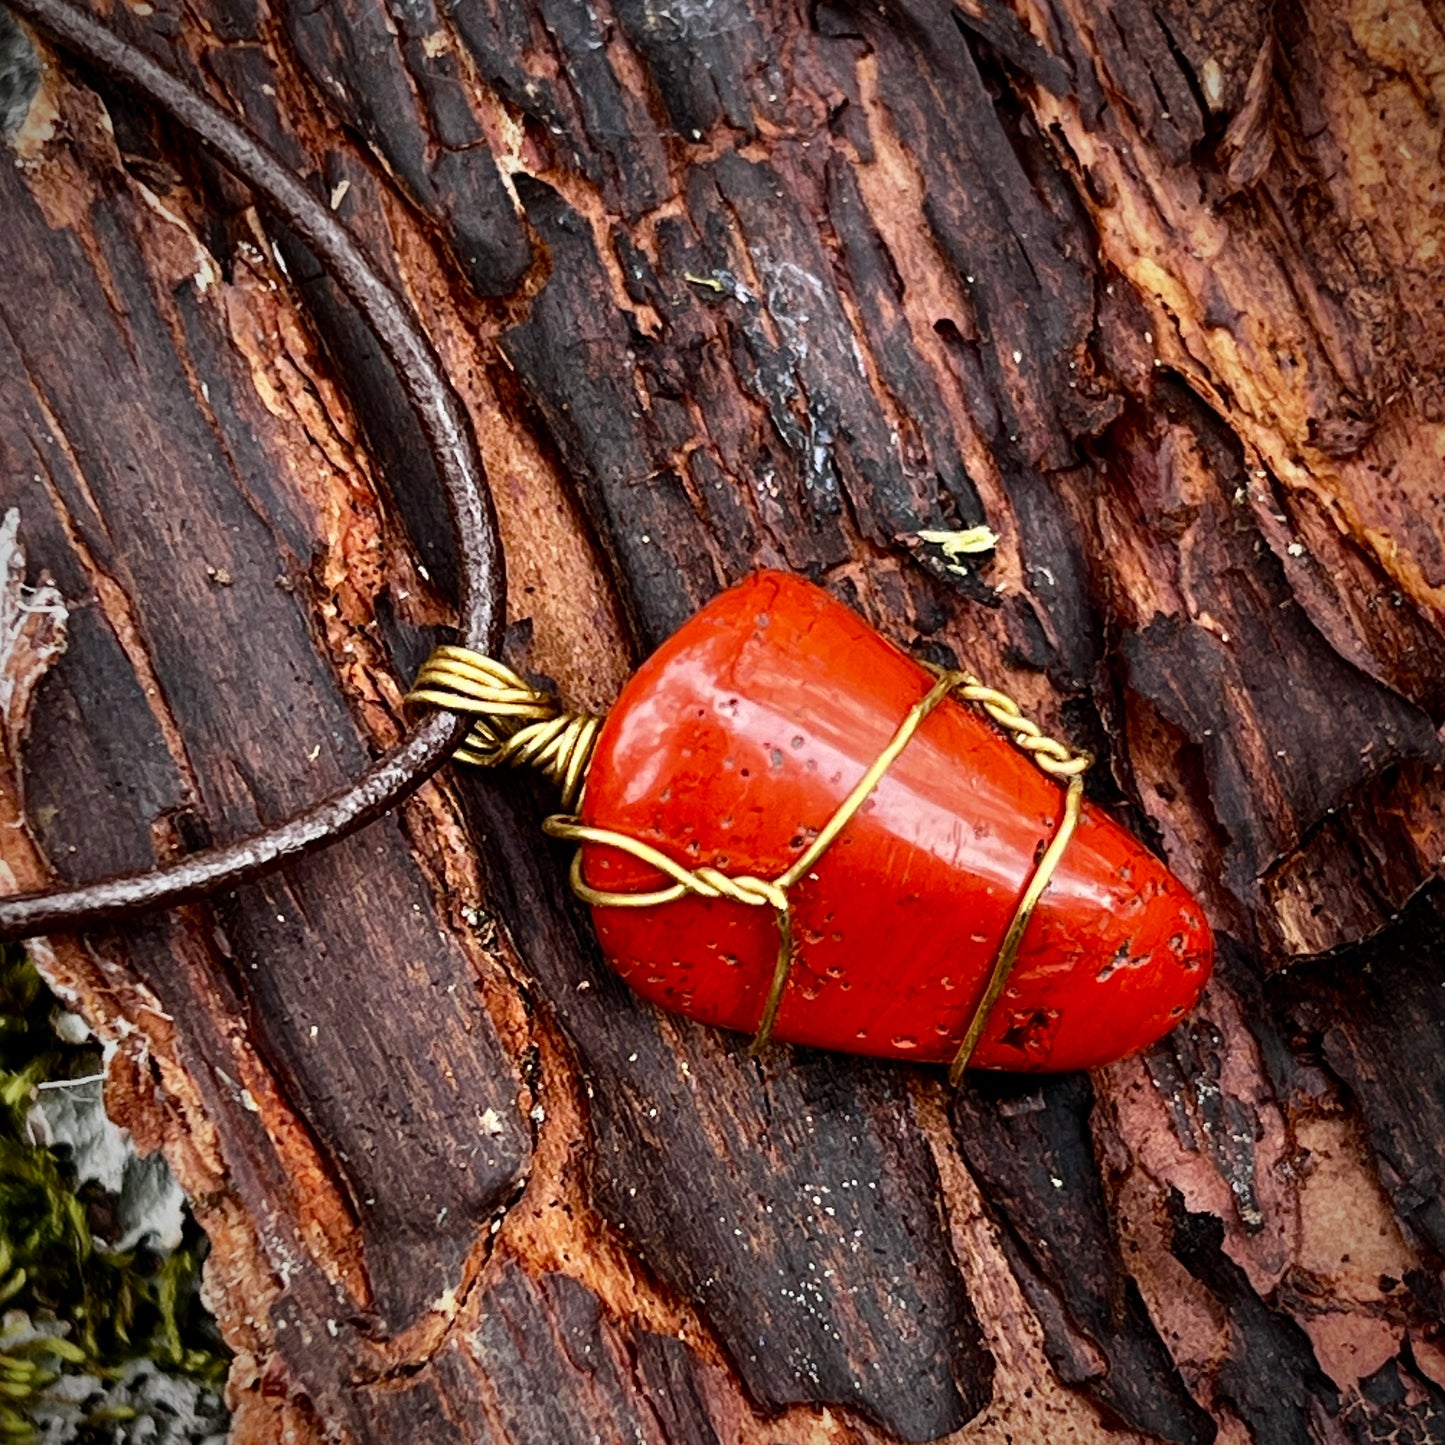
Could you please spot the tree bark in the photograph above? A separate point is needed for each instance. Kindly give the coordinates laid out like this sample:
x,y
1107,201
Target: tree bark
x,y
1152,290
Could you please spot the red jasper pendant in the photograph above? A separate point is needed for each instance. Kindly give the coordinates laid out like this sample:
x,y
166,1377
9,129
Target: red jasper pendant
x,y
739,739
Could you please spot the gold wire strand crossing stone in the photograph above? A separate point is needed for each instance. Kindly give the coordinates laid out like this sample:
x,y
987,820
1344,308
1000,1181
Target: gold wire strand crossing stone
x,y
1008,950
1052,757
516,725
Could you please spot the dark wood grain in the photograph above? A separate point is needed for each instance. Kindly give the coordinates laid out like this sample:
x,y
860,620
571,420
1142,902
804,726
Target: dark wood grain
x,y
816,1249
1030,1147
254,725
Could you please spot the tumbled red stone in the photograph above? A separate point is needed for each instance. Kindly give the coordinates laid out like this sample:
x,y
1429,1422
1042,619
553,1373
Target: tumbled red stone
x,y
738,739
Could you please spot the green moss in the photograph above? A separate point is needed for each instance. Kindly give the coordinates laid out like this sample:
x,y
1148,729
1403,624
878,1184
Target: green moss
x,y
73,1307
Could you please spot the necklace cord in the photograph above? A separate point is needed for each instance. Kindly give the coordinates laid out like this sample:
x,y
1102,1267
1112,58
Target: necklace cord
x,y
449,438
483,713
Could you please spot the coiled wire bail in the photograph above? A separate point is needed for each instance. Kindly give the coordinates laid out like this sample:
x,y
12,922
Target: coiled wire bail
x,y
515,726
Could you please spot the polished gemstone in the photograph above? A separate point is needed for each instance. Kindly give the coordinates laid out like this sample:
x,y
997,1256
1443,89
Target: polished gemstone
x,y
737,740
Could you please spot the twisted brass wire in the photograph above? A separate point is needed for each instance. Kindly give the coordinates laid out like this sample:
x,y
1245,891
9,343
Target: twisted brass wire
x,y
1048,754
515,725
1008,950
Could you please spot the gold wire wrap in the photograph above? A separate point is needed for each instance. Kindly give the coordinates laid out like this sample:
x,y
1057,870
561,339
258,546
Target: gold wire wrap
x,y
1051,757
516,726
1008,950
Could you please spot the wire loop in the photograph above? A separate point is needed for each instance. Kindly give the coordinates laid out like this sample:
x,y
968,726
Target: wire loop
x,y
514,725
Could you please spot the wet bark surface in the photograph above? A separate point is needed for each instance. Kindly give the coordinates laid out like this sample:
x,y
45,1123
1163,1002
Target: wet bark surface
x,y
1151,290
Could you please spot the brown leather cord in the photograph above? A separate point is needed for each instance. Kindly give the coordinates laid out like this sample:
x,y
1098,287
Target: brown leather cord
x,y
450,439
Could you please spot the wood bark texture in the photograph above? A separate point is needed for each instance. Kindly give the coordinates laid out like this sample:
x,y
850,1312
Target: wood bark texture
x,y
1152,288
